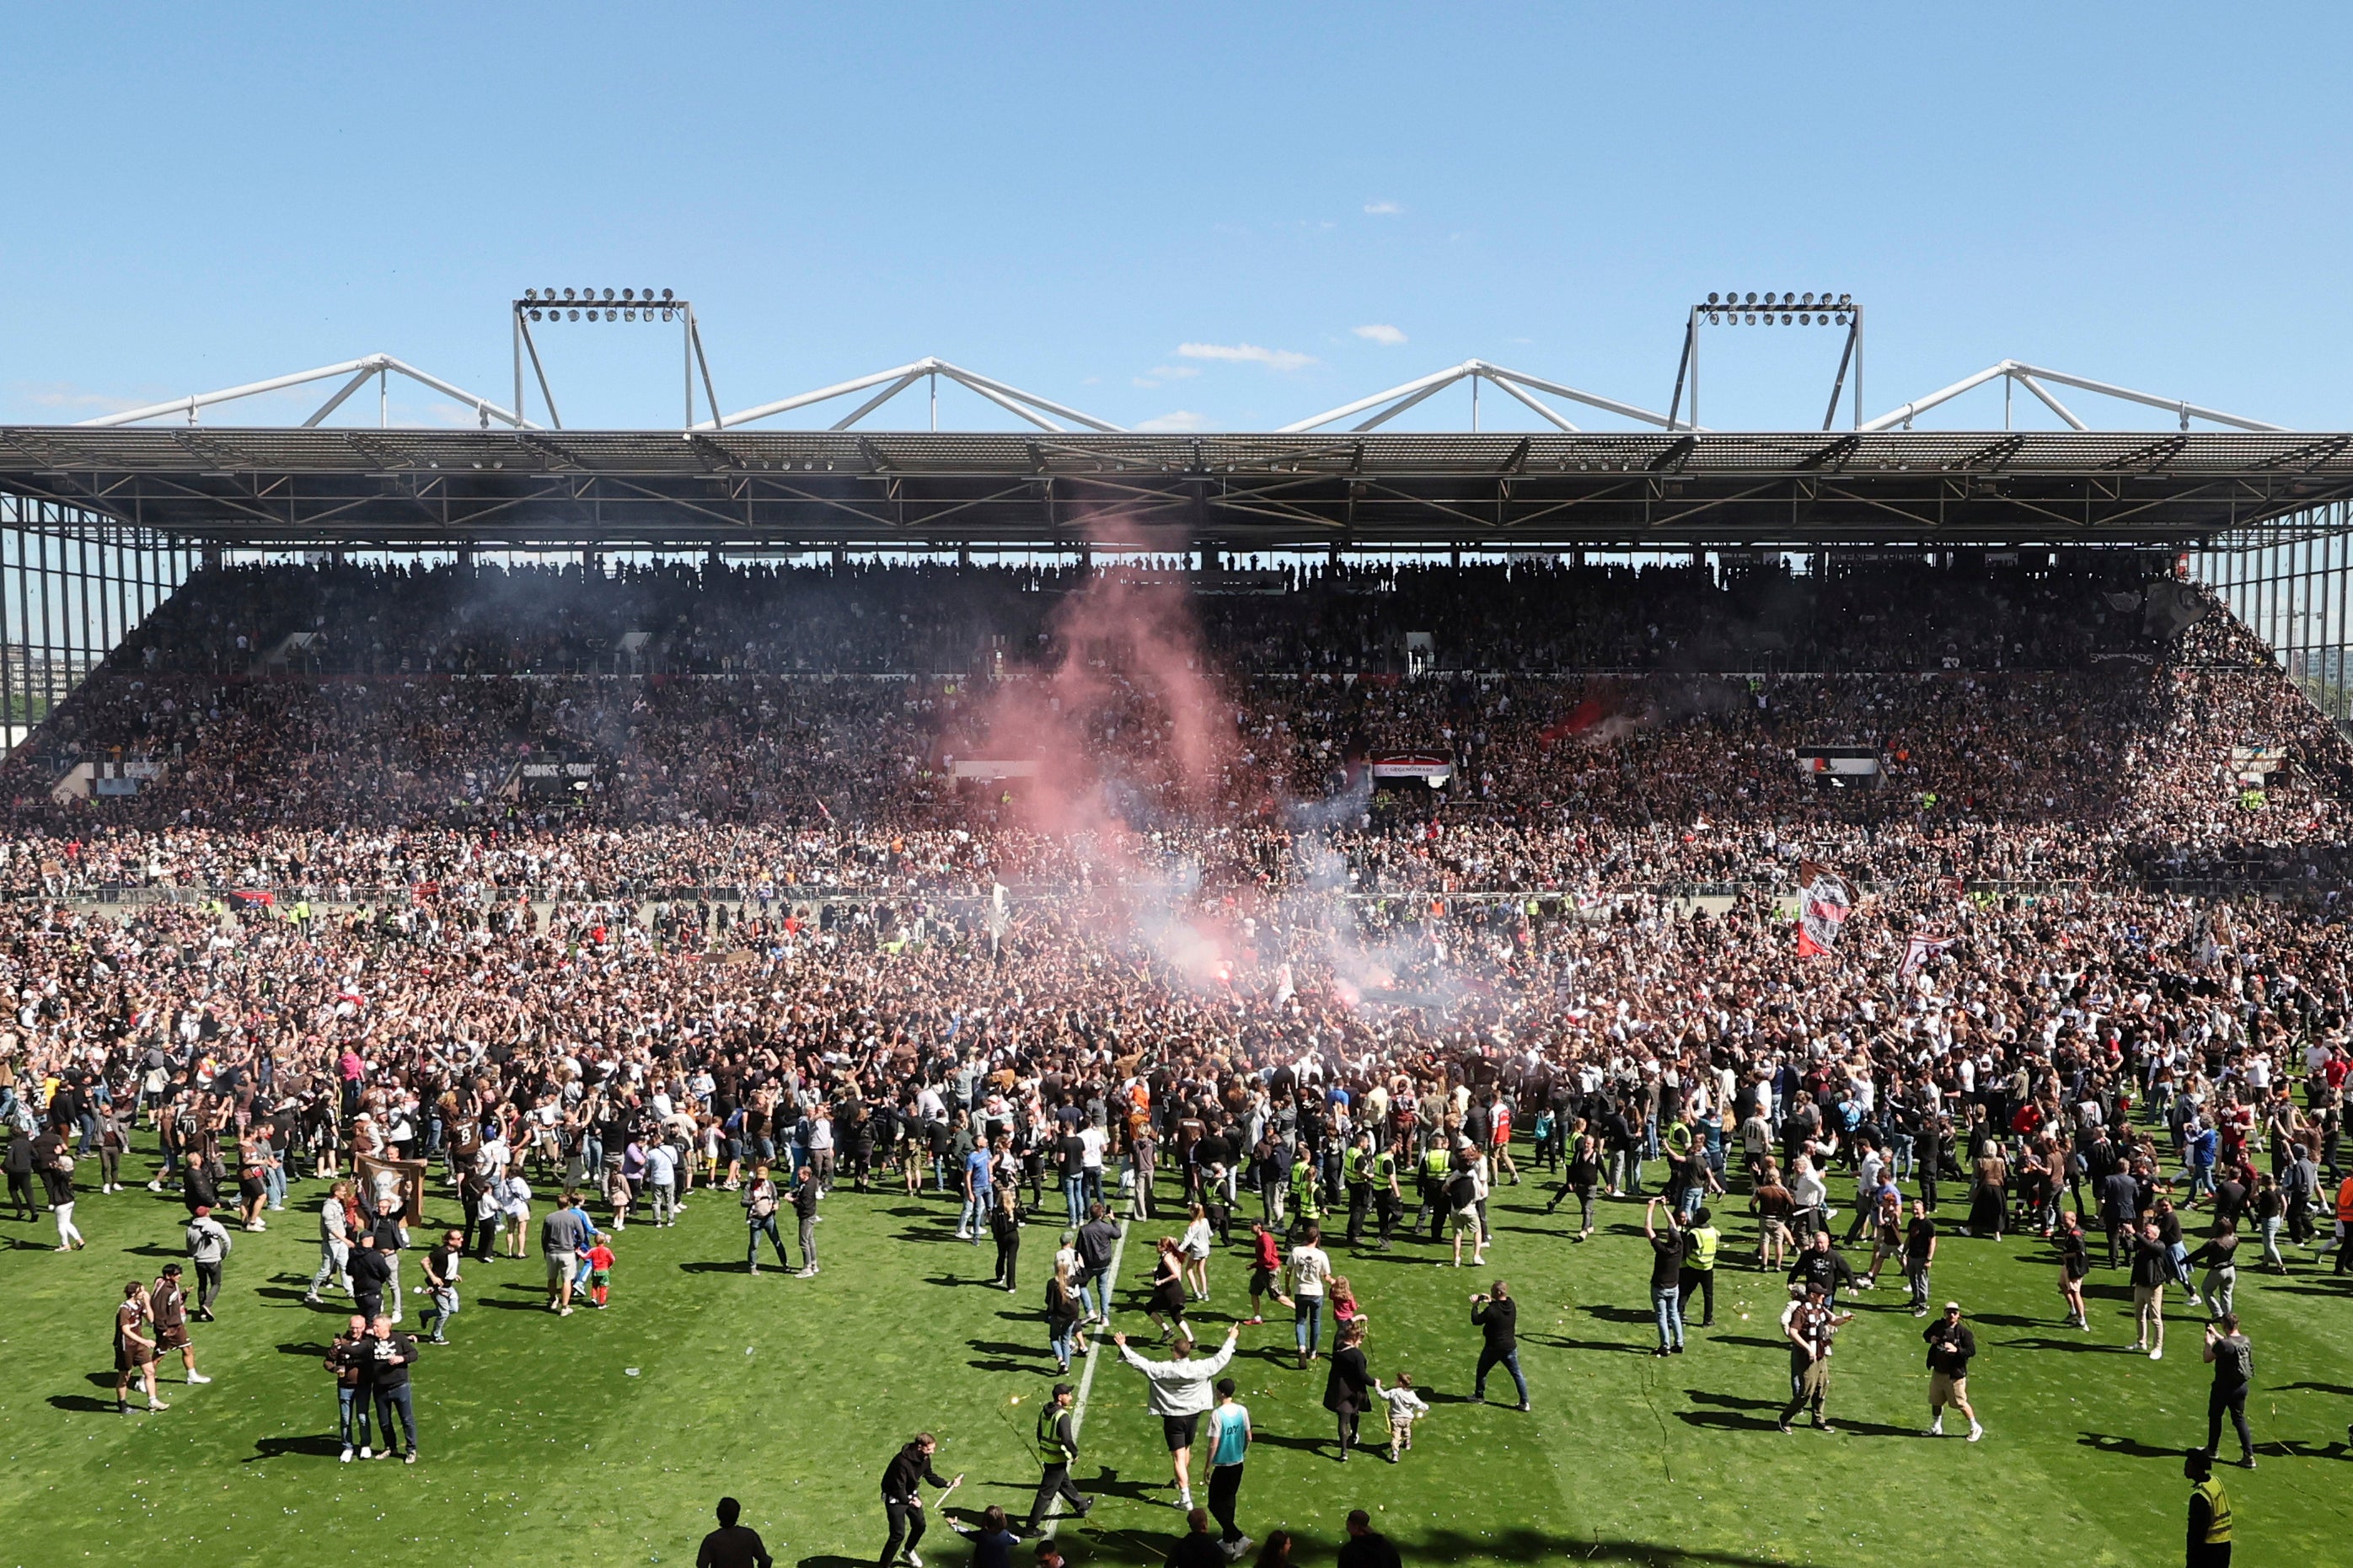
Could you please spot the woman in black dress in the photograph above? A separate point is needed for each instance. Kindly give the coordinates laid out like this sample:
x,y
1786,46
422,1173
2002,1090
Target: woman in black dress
x,y
1348,1387
1168,1290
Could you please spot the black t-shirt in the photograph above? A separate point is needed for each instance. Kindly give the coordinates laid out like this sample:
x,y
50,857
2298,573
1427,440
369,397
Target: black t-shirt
x,y
383,1370
2234,1362
1667,1250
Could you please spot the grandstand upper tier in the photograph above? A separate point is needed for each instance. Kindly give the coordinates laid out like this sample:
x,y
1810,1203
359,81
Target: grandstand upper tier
x,y
2086,716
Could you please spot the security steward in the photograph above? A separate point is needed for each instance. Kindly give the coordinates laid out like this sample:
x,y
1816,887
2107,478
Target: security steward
x,y
2210,1513
1437,1165
1058,1449
1356,1176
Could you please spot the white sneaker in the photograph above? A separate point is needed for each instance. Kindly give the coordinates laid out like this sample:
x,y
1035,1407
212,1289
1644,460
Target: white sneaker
x,y
346,1454
914,1559
1185,1501
1976,1431
366,1453
1936,1427
2156,1354
198,1377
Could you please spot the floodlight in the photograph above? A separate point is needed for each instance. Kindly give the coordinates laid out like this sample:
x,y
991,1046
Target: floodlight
x,y
1714,320
576,315
530,293
534,315
1807,299
665,293
567,294
1806,321
1711,296
1752,300
628,293
665,315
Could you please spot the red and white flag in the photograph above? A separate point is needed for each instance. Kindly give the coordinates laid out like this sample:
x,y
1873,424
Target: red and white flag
x,y
1918,950
1824,900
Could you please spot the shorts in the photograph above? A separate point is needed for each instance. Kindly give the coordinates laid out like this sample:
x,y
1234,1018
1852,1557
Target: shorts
x,y
600,1278
560,1266
1464,1220
1180,1430
131,1358
173,1338
1776,1230
1261,1281
250,1187
1945,1389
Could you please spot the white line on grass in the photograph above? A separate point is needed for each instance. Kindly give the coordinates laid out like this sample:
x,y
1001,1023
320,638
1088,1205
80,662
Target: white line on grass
x,y
1087,1378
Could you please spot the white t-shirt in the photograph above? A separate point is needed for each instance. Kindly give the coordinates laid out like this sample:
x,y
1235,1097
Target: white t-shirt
x,y
1309,1269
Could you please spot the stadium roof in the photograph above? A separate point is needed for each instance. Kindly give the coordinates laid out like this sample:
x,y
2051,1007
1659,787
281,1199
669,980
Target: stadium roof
x,y
770,489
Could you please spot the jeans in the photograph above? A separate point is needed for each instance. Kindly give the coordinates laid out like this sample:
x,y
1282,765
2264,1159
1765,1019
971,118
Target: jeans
x,y
974,1219
665,1201
334,1258
391,1400
442,1307
808,1241
1224,1488
1307,1324
2234,1400
1667,1304
2221,1284
1509,1361
1918,1279
273,1183
907,1523
1074,1200
1094,1294
2271,1242
352,1417
1064,1334
756,1229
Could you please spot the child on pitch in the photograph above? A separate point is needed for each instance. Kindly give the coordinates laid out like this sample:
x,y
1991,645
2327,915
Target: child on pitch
x,y
599,1259
1406,1407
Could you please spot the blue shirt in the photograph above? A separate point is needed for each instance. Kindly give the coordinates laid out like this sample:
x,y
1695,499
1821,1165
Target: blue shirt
x,y
1228,1433
976,1166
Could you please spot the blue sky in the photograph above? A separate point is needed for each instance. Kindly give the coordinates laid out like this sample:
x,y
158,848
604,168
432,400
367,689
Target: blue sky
x,y
1198,216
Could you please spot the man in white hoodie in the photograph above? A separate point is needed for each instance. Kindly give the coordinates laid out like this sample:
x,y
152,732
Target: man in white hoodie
x,y
1180,1392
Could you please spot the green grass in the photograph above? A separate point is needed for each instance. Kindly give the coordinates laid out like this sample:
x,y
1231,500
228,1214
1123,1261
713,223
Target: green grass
x,y
541,1445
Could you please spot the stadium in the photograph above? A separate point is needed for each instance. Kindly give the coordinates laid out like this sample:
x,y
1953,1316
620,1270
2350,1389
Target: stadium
x,y
1587,985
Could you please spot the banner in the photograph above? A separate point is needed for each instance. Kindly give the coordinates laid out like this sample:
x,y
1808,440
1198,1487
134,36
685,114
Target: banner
x,y
1919,951
1824,901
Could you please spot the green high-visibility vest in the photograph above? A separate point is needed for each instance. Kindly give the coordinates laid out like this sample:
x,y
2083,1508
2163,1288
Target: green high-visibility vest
x,y
1705,1239
1050,1449
1436,1162
1352,1167
1384,1169
1303,1188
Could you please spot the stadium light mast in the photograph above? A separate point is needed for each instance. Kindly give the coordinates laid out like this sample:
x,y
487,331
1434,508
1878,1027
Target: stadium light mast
x,y
596,305
1736,309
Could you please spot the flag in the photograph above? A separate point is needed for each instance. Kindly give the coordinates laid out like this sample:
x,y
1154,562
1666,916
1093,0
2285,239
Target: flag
x,y
1918,950
1824,899
820,805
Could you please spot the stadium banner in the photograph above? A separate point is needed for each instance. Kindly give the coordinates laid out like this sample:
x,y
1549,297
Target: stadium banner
x,y
1918,950
1427,765
1845,762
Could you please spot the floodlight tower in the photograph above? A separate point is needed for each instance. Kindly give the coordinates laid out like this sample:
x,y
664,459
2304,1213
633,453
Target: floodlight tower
x,y
1785,309
593,305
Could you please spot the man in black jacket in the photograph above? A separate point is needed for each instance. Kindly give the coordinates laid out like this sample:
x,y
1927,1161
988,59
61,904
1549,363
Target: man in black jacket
x,y
1497,1317
1098,1239
1821,1265
903,1498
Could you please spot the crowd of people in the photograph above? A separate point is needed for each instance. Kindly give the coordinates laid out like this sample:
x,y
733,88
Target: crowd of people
x,y
778,950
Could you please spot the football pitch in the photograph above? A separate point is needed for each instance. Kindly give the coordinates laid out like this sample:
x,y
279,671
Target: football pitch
x,y
606,1437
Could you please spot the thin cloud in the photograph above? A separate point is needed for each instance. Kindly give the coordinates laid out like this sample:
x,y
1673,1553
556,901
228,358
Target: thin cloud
x,y
1381,332
1247,353
1182,421
65,396
1383,209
